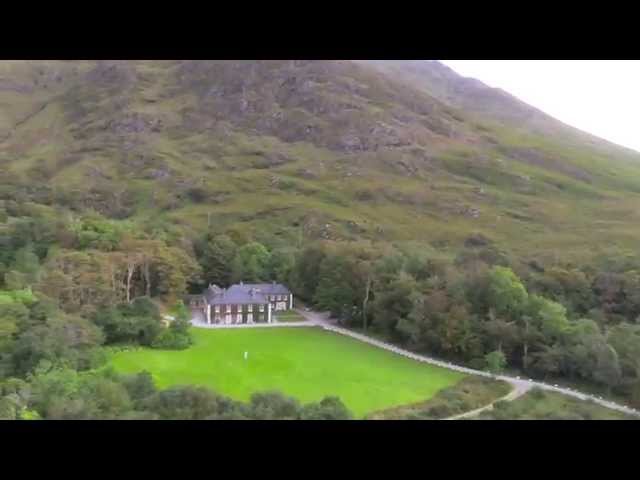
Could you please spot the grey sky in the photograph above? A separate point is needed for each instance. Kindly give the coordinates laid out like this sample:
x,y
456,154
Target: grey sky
x,y
601,97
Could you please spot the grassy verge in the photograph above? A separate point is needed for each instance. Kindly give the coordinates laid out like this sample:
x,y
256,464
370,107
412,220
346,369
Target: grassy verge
x,y
468,394
541,405
290,316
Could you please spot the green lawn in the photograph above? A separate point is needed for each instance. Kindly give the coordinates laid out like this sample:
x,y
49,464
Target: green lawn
x,y
307,363
289,316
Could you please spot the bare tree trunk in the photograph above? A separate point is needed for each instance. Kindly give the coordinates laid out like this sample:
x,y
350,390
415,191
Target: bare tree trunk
x,y
130,269
525,358
147,278
364,303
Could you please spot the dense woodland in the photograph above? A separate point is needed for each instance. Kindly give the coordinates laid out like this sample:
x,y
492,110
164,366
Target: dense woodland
x,y
74,287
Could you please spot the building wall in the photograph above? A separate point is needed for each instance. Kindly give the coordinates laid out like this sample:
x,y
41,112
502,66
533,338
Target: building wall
x,y
280,302
246,312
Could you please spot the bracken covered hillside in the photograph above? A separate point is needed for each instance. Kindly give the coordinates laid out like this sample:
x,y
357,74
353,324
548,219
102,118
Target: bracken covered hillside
x,y
312,149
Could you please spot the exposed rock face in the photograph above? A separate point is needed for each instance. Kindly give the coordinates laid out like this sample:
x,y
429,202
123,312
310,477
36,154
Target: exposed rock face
x,y
477,240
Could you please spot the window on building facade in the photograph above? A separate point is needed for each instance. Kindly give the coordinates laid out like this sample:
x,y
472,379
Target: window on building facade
x,y
217,308
228,308
239,318
261,308
250,308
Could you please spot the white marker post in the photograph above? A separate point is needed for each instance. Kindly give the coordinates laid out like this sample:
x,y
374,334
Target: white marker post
x,y
246,355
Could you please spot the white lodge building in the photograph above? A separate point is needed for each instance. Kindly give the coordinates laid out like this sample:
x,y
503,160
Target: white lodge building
x,y
241,303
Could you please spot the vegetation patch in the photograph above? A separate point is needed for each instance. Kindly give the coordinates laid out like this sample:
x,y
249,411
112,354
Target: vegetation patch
x,y
540,405
468,394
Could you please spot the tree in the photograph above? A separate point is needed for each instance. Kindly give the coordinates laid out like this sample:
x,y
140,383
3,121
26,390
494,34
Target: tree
x,y
550,317
216,258
625,340
137,322
107,397
394,304
549,360
582,341
281,264
568,286
11,315
24,269
503,334
139,386
306,273
506,294
177,336
62,339
607,371
495,361
273,406
338,288
251,263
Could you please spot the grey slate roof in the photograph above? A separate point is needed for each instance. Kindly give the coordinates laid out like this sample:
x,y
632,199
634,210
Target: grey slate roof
x,y
269,288
236,295
243,293
212,292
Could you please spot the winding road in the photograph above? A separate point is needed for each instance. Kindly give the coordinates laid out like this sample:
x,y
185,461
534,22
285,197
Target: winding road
x,y
520,385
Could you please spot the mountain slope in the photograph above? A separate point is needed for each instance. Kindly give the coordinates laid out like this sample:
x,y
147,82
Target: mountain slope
x,y
331,149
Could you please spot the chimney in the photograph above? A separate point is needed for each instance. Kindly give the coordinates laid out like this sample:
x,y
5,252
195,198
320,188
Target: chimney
x,y
241,282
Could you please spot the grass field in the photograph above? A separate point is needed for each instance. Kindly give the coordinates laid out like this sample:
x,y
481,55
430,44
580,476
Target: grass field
x,y
307,363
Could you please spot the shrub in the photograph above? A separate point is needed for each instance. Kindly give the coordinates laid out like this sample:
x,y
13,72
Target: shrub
x,y
273,406
170,339
495,361
197,194
439,411
329,408
477,363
